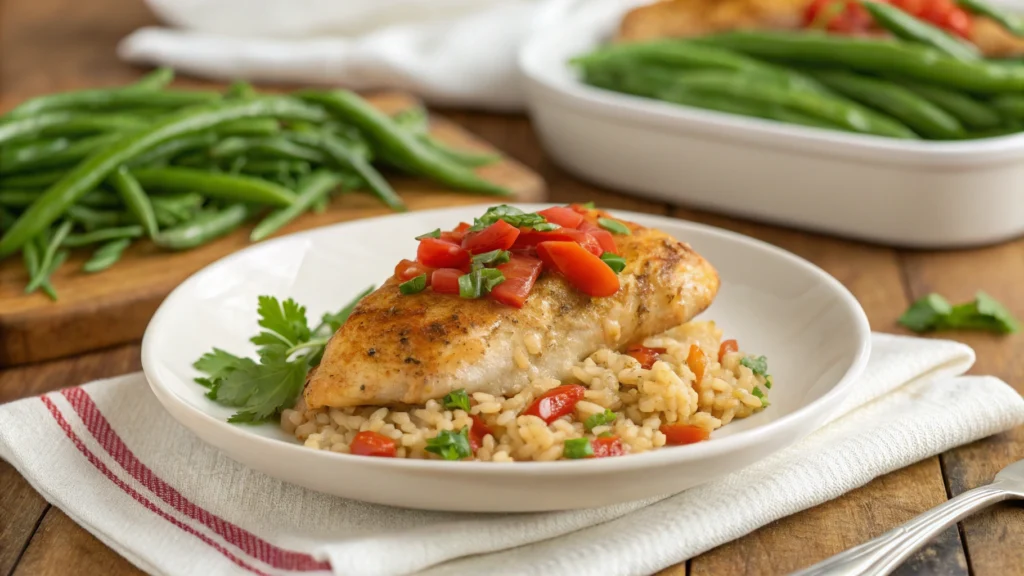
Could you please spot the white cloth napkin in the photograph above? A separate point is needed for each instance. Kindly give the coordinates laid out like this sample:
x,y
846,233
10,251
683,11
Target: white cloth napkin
x,y
449,52
109,456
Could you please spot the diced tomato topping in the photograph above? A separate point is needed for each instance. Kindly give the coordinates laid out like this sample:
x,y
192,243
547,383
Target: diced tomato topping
x,y
604,238
607,446
438,253
727,347
407,270
445,280
530,238
842,16
521,274
585,271
456,236
697,361
684,433
579,209
556,402
368,443
477,432
644,355
498,236
564,217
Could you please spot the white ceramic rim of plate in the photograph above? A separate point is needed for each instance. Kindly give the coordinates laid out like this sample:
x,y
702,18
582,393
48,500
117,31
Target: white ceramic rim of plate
x,y
651,459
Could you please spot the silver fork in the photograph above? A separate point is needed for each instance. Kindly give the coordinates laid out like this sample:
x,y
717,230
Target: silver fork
x,y
885,553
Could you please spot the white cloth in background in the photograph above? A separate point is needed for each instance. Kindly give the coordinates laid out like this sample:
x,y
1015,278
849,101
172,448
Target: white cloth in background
x,y
109,456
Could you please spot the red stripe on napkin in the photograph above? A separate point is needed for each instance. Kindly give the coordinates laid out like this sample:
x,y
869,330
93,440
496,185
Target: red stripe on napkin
x,y
95,461
246,541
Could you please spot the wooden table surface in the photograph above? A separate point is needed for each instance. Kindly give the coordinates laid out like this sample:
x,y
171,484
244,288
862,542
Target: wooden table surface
x,y
48,45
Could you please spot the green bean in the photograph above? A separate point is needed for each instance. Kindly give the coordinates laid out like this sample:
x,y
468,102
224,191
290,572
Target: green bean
x,y
970,112
102,235
250,127
271,167
275,147
172,148
6,218
1008,20
314,188
70,155
17,197
203,228
465,158
46,263
135,199
403,146
876,56
92,123
32,149
916,112
156,79
99,99
88,174
33,180
1010,106
681,54
17,128
240,90
92,219
346,156
414,119
105,256
846,114
31,258
226,186
320,206
905,26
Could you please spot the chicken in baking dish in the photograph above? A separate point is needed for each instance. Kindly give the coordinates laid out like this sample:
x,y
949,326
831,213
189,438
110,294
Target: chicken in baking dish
x,y
560,334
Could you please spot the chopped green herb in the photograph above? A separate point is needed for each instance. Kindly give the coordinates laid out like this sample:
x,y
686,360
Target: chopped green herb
x,y
479,282
287,350
492,258
451,445
434,234
578,448
509,214
457,400
589,205
614,226
758,366
605,434
606,417
757,392
545,227
614,261
414,286
933,312
768,381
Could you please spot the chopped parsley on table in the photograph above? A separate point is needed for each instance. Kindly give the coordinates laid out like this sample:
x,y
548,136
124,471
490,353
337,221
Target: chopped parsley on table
x,y
286,348
933,313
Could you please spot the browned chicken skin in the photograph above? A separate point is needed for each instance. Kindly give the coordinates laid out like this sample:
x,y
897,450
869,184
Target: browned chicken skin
x,y
408,349
683,18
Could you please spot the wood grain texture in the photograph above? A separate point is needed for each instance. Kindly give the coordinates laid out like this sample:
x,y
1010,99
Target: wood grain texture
x,y
61,547
994,539
21,507
113,307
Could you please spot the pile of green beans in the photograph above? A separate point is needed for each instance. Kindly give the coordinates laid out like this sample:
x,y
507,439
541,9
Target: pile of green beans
x,y
102,169
920,83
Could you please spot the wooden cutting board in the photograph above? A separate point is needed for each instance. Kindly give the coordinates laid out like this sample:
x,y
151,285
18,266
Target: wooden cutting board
x,y
113,307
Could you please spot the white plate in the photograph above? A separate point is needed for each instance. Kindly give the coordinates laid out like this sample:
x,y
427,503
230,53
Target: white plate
x,y
811,328
911,193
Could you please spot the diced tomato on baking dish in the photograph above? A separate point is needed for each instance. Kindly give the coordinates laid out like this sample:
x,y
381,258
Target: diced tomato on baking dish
x,y
503,253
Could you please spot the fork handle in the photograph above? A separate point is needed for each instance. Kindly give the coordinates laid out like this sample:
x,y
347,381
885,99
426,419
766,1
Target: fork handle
x,y
884,554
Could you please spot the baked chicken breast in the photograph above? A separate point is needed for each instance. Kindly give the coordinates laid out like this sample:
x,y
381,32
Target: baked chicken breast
x,y
406,349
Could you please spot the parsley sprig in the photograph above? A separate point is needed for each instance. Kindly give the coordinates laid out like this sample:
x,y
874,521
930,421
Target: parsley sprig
x,y
287,348
933,312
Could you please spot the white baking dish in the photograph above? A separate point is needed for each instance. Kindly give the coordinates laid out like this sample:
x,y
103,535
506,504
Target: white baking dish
x,y
907,193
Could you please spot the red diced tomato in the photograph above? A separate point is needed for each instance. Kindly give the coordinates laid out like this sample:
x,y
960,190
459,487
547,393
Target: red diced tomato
x,y
445,280
498,236
407,270
368,443
520,273
579,209
530,238
958,22
457,234
607,446
727,347
585,271
604,238
644,355
844,16
684,433
697,361
477,432
556,402
564,217
438,253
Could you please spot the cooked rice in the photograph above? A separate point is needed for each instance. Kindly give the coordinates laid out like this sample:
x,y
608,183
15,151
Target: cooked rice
x,y
643,400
